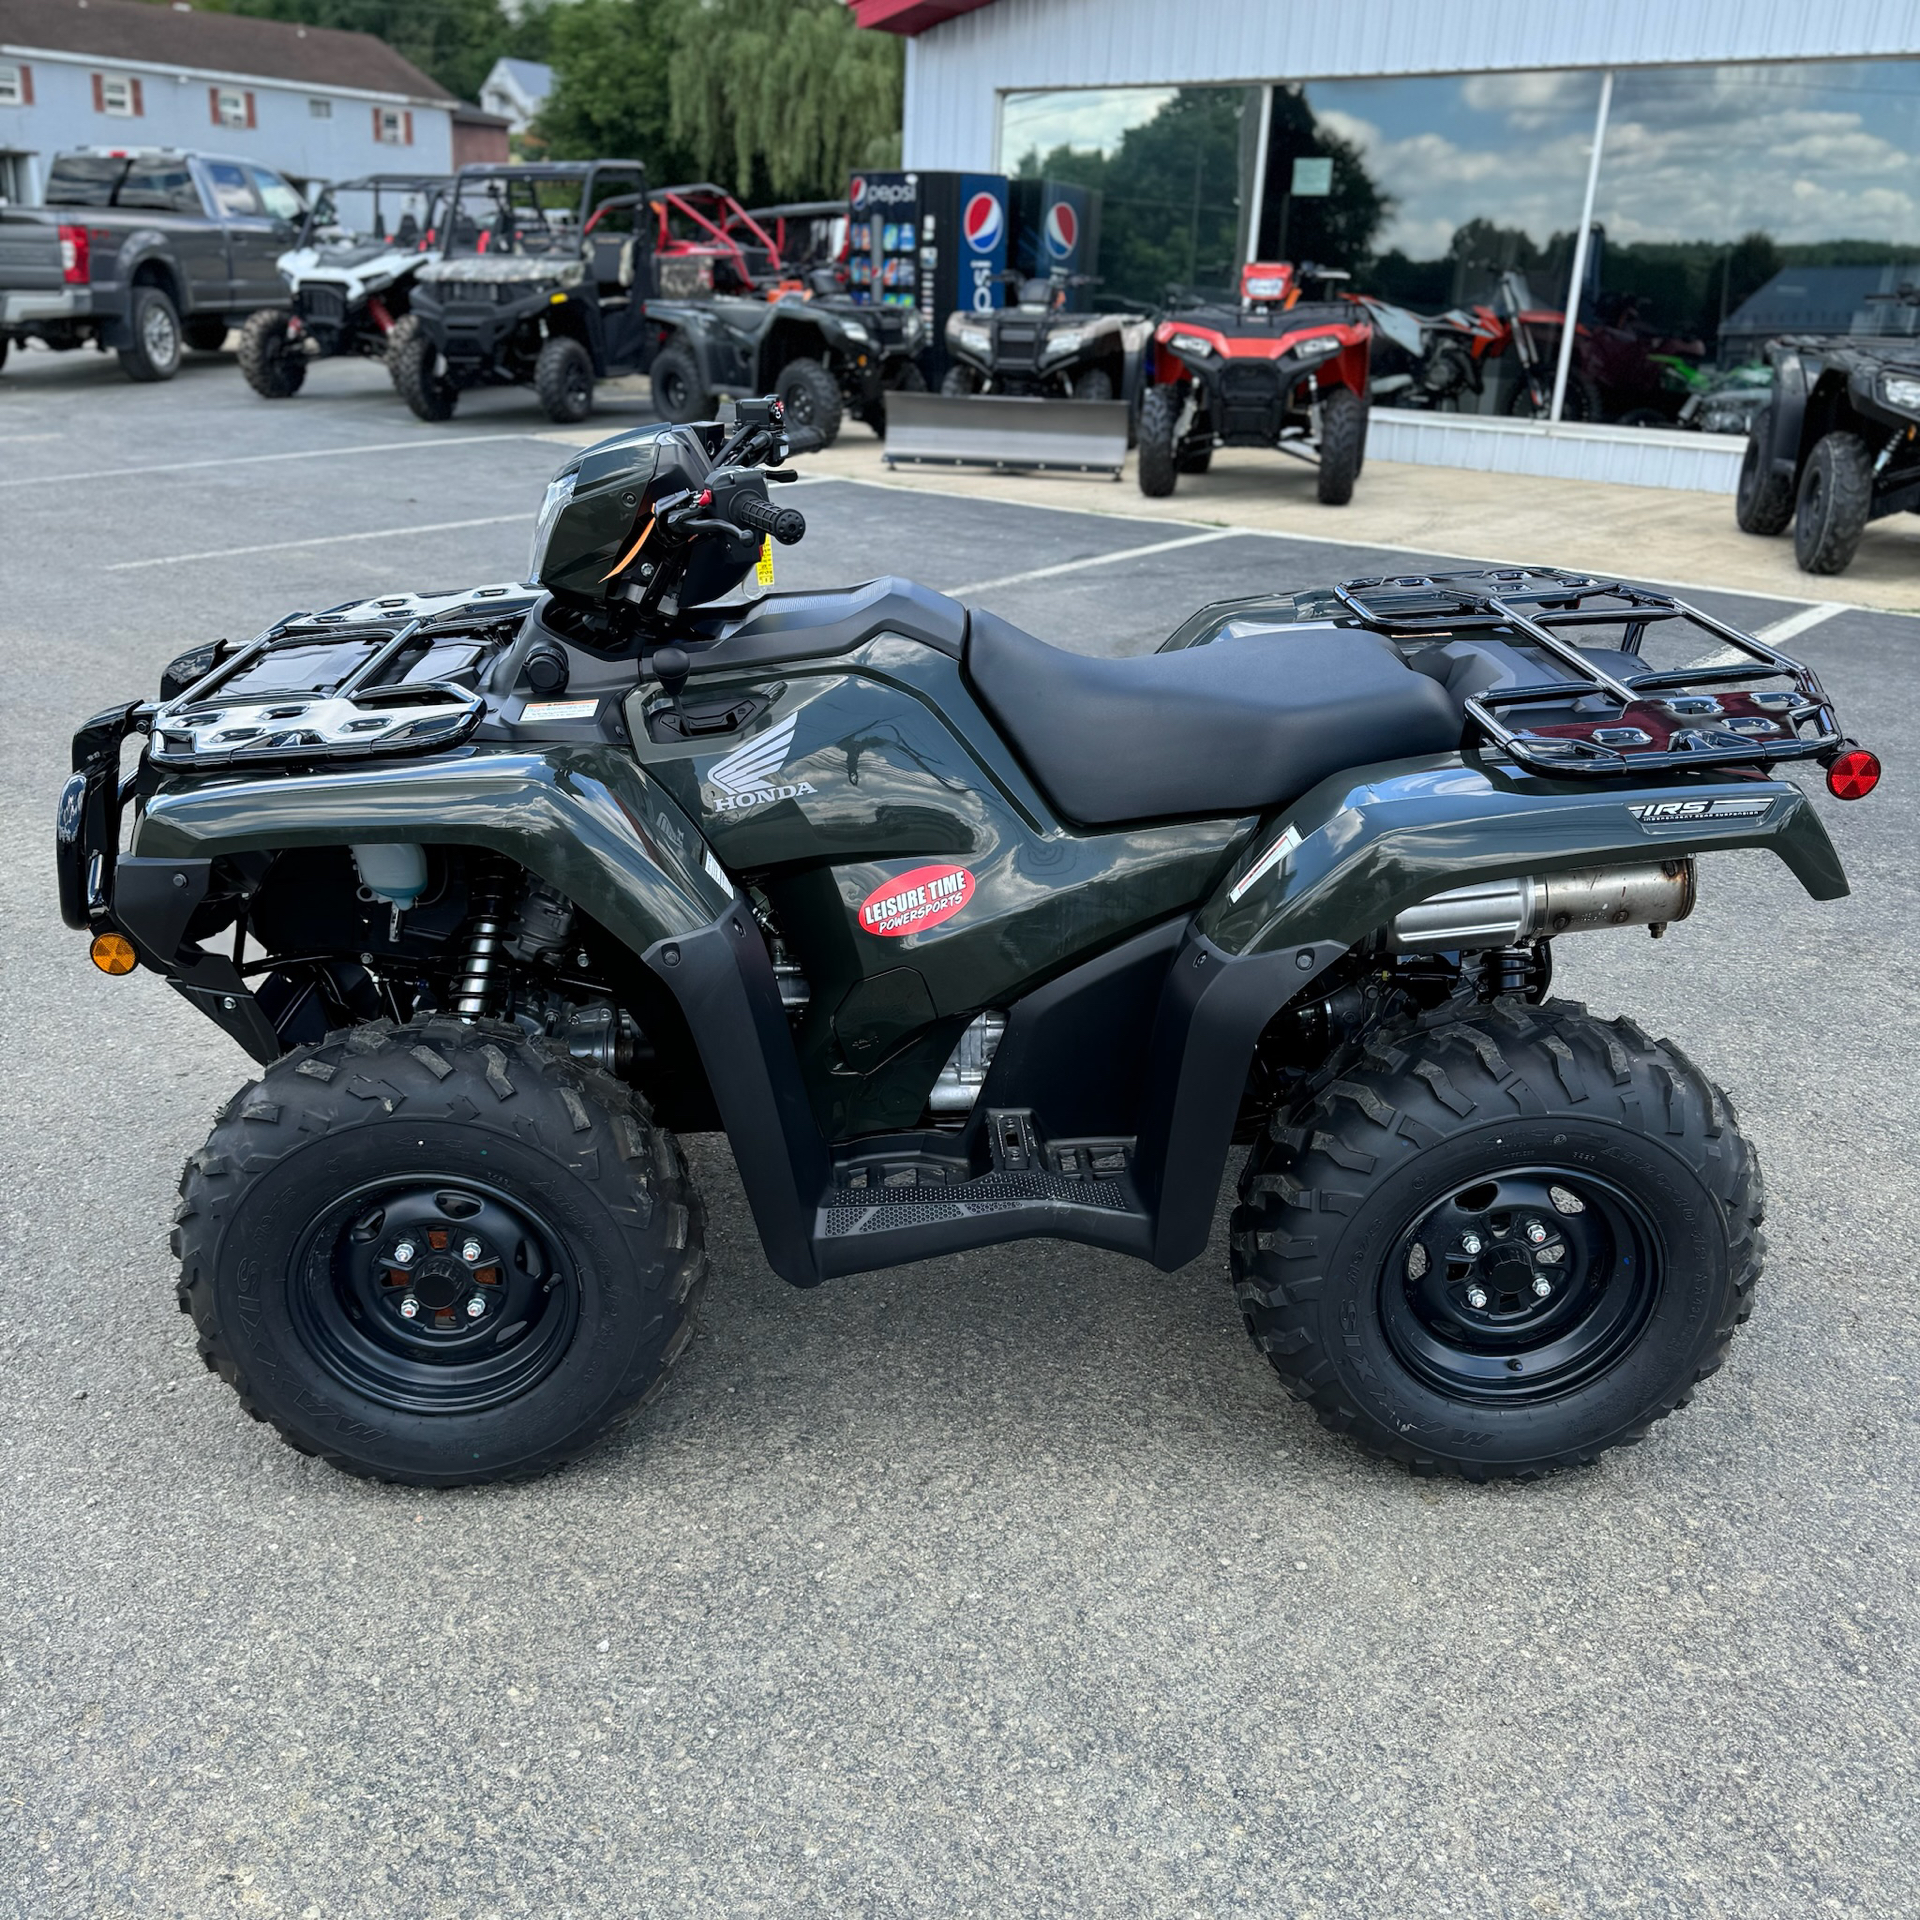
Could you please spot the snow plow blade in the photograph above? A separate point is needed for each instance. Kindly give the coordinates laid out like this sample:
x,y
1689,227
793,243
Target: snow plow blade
x,y
998,430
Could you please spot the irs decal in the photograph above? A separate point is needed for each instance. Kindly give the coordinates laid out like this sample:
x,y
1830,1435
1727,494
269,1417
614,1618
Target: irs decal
x,y
913,902
750,776
1665,813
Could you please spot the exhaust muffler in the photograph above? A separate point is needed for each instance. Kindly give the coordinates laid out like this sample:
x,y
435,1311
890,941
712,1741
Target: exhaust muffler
x,y
1506,913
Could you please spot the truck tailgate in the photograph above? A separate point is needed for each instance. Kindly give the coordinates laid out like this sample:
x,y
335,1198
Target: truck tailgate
x,y
29,254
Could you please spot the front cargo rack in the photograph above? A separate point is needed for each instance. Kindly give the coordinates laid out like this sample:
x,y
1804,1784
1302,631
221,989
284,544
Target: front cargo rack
x,y
1613,715
374,677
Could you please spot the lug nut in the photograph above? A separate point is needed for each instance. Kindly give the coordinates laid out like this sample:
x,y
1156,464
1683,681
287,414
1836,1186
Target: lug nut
x,y
1536,1232
476,1307
1542,1286
409,1308
404,1252
1470,1244
1476,1298
470,1251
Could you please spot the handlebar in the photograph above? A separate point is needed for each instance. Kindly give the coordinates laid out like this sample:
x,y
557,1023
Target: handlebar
x,y
785,524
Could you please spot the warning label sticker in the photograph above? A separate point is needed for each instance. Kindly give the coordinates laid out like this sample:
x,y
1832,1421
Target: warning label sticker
x,y
914,901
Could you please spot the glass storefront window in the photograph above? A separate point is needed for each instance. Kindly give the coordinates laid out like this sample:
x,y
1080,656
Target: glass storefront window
x,y
1740,202
1172,166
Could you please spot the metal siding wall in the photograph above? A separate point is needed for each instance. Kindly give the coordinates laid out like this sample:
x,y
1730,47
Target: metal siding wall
x,y
955,71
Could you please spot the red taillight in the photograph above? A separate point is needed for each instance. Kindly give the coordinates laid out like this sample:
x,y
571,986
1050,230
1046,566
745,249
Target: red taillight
x,y
1854,775
76,265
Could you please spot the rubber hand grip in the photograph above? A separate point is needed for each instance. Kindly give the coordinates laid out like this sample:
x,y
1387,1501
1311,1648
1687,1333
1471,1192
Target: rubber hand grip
x,y
784,523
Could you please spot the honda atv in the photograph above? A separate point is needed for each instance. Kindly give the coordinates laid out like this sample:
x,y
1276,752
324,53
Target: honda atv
x,y
1838,443
350,275
542,282
963,939
1041,349
740,324
1272,372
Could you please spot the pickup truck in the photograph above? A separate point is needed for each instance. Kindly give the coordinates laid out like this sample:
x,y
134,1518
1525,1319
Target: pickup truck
x,y
144,251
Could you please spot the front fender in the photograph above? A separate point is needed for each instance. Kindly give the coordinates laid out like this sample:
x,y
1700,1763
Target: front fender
x,y
1369,842
585,819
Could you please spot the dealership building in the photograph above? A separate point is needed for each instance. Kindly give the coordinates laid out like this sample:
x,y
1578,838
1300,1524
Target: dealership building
x,y
1707,176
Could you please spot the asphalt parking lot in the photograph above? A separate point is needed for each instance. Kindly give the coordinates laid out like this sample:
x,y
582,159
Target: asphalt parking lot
x,y
1010,1585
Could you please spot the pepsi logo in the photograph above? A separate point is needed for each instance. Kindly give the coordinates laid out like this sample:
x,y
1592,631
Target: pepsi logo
x,y
983,221
857,192
1063,230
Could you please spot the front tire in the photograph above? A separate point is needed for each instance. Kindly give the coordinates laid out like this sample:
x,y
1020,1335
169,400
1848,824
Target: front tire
x,y
810,397
157,343
206,333
678,396
274,366
1343,439
1835,503
958,382
1159,468
1396,1227
411,363
1763,499
1096,383
563,379
351,1207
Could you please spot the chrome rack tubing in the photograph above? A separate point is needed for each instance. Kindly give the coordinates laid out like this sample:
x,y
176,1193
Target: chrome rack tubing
x,y
351,684
1543,636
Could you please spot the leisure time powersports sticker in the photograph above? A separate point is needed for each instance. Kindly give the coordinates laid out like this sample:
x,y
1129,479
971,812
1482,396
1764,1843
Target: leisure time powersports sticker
x,y
913,902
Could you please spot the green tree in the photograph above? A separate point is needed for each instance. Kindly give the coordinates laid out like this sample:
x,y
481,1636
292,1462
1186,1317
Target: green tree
x,y
612,94
785,96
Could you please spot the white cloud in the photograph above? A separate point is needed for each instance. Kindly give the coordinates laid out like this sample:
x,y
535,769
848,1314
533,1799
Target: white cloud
x,y
1093,118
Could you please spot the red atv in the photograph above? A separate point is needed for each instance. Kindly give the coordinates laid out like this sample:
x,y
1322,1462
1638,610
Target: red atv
x,y
1275,371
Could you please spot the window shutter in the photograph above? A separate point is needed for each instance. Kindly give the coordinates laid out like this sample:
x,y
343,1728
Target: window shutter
x,y
376,123
213,102
99,95
407,128
139,105
250,118
26,86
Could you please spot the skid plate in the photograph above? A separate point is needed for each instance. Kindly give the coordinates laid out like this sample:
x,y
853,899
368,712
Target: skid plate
x,y
998,430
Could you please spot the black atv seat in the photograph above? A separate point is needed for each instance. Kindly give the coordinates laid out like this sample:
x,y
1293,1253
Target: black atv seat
x,y
1235,727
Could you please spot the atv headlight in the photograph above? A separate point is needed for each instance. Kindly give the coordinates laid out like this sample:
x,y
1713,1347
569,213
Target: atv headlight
x,y
1901,390
559,492
914,333
1071,340
1314,349
1191,343
856,333
970,338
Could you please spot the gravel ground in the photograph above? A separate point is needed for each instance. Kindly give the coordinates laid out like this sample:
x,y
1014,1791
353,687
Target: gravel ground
x,y
1012,1584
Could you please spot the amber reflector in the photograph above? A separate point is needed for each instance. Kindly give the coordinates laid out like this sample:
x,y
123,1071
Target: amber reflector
x,y
1854,775
113,953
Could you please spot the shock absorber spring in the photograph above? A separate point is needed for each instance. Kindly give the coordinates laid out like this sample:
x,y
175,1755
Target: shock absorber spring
x,y
480,964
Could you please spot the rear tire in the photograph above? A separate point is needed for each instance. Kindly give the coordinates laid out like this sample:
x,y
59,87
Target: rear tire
x,y
1343,438
157,343
1159,469
1835,503
678,395
1763,499
274,367
1580,402
5,343
343,1184
1349,1243
810,397
417,380
563,379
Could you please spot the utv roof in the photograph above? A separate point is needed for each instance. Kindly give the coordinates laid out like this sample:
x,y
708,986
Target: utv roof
x,y
542,169
398,182
798,210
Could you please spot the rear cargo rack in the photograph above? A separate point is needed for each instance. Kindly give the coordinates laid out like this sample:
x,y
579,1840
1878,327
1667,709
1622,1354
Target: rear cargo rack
x,y
1626,721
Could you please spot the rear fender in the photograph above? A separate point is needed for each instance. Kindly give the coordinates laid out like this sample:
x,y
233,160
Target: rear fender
x,y
1354,852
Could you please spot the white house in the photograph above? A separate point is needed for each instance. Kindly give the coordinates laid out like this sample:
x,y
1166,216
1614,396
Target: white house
x,y
311,102
516,90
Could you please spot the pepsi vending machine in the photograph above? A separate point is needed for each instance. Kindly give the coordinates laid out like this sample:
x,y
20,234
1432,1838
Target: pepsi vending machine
x,y
1056,229
930,242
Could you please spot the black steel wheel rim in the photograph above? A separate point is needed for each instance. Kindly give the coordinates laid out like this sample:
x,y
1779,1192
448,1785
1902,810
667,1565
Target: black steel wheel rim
x,y
434,1294
1521,1285
797,403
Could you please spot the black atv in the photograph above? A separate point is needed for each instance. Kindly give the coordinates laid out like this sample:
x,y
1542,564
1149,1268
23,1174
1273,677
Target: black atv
x,y
350,273
962,938
542,282
1838,444
1039,348
734,317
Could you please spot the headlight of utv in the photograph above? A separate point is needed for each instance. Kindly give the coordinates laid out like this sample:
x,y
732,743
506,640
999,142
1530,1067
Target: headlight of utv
x,y
1069,341
856,332
559,492
1900,390
1191,343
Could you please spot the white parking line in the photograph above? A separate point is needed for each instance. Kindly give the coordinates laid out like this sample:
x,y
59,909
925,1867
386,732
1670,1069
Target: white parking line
x,y
321,540
1812,616
1098,560
255,459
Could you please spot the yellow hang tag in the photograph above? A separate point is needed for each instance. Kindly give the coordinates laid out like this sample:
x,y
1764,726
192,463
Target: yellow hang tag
x,y
763,567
